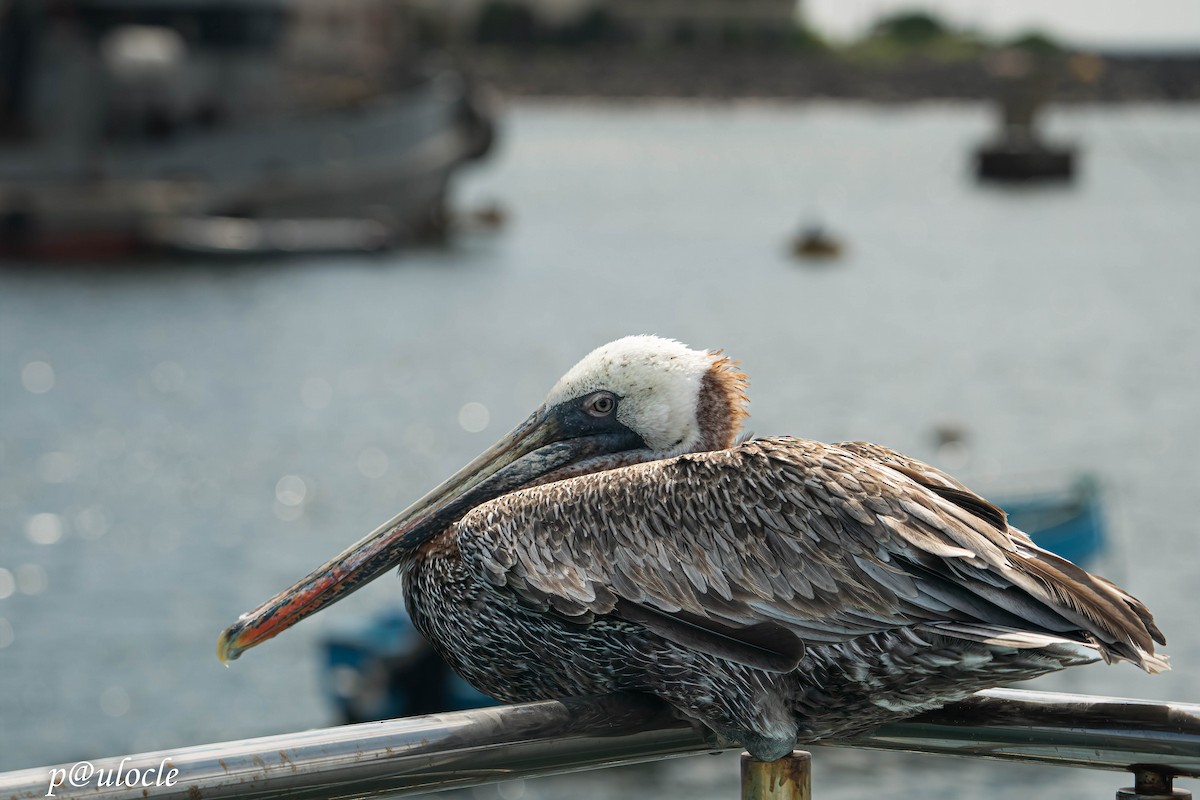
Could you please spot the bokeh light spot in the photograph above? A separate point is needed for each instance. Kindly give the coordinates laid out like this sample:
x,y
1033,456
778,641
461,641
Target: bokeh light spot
x,y
511,790
473,417
44,528
291,490
37,377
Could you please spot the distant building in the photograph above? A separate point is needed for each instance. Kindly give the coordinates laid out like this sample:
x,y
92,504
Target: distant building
x,y
340,51
646,22
663,21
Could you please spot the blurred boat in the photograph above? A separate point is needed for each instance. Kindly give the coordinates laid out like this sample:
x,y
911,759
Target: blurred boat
x,y
1068,521
225,126
1016,157
816,243
1018,153
386,669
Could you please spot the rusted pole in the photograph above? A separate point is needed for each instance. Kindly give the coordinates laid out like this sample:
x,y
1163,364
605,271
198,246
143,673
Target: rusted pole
x,y
1152,783
789,778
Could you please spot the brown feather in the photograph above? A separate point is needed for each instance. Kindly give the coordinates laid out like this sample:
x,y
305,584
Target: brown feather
x,y
803,554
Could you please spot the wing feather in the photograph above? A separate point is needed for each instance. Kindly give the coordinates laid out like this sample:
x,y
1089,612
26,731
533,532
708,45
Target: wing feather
x,y
751,552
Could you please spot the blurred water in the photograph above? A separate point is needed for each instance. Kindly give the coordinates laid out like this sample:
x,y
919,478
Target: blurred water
x,y
180,441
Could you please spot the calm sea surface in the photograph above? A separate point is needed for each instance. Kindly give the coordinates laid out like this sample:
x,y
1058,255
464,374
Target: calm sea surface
x,y
180,441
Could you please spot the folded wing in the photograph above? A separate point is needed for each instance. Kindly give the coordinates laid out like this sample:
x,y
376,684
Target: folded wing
x,y
755,552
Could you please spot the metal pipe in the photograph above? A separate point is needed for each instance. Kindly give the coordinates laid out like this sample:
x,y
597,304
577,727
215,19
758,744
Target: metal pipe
x,y
1071,730
467,748
374,759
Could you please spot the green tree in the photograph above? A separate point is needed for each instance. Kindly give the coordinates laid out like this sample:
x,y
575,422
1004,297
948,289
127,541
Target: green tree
x,y
1037,43
912,28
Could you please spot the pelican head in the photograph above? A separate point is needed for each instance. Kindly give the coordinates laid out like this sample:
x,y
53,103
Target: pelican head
x,y
677,400
640,398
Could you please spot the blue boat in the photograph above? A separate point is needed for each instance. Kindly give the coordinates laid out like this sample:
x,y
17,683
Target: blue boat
x,y
386,669
1067,521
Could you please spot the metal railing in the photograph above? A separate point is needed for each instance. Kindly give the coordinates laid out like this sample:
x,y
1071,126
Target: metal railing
x,y
1157,741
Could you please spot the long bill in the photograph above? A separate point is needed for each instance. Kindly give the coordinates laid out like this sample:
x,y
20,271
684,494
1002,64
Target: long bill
x,y
533,449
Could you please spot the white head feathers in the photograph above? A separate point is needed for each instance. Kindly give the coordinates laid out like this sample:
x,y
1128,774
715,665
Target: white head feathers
x,y
658,382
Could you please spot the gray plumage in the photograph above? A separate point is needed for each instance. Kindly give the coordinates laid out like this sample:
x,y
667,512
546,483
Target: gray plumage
x,y
780,590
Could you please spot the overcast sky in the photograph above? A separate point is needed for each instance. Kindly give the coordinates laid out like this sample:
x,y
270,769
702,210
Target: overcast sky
x,y
1129,23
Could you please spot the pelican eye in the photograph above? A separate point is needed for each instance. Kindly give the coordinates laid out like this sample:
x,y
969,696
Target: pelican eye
x,y
600,404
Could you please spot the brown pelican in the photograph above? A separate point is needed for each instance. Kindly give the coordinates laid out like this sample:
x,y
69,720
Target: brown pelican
x,y
777,589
